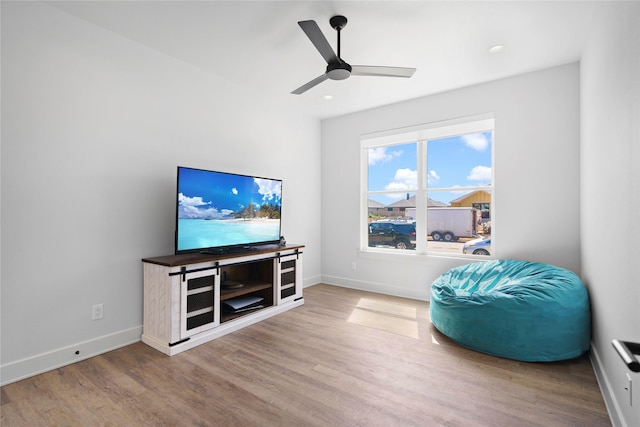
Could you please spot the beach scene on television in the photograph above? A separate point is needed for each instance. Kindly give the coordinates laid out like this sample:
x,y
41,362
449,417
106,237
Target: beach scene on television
x,y
217,209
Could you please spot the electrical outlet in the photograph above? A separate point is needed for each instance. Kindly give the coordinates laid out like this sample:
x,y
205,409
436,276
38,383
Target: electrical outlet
x,y
97,312
629,389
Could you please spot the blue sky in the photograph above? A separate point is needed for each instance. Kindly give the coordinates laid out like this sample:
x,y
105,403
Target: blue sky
x,y
452,162
205,194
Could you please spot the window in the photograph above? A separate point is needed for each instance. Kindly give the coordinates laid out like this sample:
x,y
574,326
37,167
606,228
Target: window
x,y
429,189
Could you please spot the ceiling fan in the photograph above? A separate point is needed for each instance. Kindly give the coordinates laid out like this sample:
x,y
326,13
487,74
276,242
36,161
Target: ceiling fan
x,y
337,69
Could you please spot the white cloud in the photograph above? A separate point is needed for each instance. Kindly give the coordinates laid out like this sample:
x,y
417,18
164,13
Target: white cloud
x,y
404,179
477,141
269,189
191,201
192,207
480,173
380,155
433,177
189,212
193,212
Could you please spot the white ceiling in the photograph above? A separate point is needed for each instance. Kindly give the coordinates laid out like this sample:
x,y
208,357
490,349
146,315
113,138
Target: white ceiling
x,y
260,46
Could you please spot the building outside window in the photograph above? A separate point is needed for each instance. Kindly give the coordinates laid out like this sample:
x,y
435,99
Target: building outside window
x,y
429,189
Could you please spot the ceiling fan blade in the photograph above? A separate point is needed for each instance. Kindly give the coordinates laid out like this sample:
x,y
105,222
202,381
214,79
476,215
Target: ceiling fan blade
x,y
318,39
370,70
305,87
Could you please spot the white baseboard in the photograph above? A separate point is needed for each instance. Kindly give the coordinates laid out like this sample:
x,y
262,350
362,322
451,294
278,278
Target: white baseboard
x,y
310,281
34,365
605,389
421,294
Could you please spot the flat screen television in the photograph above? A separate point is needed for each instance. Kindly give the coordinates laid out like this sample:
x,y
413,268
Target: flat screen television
x,y
219,212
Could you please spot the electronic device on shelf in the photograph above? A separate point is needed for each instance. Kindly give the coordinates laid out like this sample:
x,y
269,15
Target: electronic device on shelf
x,y
220,212
244,303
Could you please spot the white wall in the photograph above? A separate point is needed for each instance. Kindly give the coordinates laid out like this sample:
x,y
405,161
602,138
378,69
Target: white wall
x,y
610,196
537,215
93,126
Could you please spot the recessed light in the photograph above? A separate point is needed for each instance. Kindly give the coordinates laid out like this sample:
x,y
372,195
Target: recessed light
x,y
496,49
327,97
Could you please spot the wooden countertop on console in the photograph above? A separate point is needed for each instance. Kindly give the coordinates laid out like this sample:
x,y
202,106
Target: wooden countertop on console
x,y
194,258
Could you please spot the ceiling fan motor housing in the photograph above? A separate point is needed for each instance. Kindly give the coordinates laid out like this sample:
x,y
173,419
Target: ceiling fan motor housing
x,y
338,70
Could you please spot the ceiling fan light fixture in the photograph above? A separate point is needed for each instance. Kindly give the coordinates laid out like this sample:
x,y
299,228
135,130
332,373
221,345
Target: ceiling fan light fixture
x,y
338,71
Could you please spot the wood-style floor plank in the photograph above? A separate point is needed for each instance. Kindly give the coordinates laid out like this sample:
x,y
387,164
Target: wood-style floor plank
x,y
344,358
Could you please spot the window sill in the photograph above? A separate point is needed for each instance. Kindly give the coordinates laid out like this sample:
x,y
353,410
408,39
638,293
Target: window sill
x,y
410,256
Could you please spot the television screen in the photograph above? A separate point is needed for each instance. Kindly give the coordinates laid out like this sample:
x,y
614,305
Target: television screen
x,y
217,211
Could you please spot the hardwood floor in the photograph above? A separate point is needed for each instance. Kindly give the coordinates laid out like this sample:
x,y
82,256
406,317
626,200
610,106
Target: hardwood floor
x,y
344,358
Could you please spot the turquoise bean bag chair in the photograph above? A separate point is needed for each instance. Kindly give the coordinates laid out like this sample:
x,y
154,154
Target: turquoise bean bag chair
x,y
514,309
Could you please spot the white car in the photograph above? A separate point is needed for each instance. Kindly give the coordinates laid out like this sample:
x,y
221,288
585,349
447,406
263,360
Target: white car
x,y
477,247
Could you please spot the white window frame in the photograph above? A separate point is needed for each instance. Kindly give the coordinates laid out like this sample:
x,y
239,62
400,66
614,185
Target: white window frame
x,y
421,134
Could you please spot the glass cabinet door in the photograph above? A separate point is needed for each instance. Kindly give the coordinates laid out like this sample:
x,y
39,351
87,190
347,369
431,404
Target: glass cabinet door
x,y
199,302
289,278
